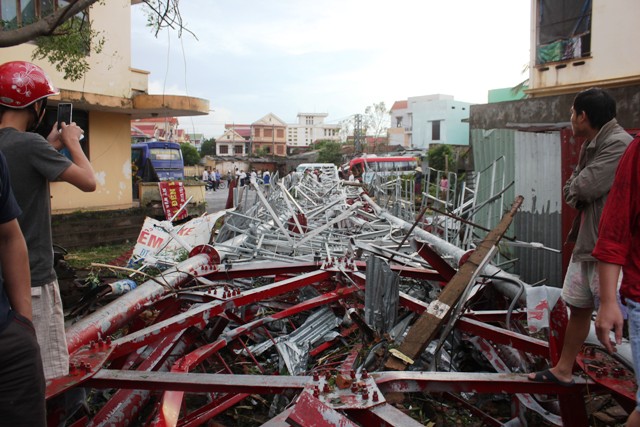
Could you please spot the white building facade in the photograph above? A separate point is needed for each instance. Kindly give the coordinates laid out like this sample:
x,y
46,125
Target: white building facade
x,y
231,143
309,129
430,119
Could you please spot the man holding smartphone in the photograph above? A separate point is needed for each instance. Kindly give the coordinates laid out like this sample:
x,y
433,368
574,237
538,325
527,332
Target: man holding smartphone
x,y
34,162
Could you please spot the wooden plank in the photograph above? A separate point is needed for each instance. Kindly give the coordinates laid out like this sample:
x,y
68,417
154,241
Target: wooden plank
x,y
428,324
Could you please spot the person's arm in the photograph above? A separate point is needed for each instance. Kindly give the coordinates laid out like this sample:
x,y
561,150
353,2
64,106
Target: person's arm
x,y
80,173
54,137
596,178
15,267
609,314
614,245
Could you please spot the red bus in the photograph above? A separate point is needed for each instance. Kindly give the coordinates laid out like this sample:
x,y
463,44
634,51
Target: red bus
x,y
364,168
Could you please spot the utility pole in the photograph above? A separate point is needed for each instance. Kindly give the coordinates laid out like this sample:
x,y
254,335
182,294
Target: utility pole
x,y
357,134
273,139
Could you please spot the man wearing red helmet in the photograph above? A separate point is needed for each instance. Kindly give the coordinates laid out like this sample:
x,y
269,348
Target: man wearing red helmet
x,y
34,162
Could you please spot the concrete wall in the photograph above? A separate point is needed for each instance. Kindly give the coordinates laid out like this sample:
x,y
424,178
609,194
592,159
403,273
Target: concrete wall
x,y
110,156
551,110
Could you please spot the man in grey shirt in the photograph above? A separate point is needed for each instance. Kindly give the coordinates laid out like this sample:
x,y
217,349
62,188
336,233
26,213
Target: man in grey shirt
x,y
34,162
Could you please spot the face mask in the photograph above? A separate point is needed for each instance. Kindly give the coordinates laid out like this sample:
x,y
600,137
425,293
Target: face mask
x,y
37,117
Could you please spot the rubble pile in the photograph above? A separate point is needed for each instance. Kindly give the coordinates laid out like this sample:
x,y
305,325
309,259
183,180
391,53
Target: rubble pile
x,y
319,302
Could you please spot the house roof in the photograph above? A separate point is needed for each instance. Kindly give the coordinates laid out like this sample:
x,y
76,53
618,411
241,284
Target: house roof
x,y
230,136
269,120
241,129
399,105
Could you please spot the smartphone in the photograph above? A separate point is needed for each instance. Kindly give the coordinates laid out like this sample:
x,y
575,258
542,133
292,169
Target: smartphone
x,y
64,113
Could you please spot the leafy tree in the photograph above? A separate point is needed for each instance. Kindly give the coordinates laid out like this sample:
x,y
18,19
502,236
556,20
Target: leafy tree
x,y
330,152
441,158
208,147
64,36
190,154
261,152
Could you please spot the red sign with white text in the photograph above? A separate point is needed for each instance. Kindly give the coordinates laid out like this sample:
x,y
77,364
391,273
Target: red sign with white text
x,y
173,196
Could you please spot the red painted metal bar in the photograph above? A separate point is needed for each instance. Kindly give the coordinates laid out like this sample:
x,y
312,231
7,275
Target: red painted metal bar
x,y
495,315
390,381
384,415
435,260
324,346
309,411
199,316
249,269
82,365
172,400
604,369
197,356
197,382
118,313
215,408
572,408
125,405
456,382
503,336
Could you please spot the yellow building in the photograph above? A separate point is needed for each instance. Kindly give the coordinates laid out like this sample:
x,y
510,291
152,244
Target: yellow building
x,y
576,44
104,102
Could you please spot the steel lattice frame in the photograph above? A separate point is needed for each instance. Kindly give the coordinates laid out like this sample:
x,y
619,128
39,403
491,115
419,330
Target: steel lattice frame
x,y
205,319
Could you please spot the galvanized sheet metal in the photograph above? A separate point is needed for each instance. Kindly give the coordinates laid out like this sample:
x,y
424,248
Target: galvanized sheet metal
x,y
532,161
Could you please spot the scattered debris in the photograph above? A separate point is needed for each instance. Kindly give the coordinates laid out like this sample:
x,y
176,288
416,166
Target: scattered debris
x,y
319,301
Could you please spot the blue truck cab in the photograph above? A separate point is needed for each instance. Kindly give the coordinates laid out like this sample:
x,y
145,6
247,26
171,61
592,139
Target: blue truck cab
x,y
158,161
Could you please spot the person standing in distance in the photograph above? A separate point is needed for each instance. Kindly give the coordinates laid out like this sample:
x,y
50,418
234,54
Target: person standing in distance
x,y
593,118
33,163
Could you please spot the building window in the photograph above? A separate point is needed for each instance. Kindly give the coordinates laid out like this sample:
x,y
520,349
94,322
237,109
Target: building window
x,y
238,149
268,132
257,132
399,122
280,133
309,120
267,149
563,29
30,12
224,149
435,130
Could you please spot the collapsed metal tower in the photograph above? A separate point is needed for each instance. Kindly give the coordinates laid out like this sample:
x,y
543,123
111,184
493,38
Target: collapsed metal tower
x,y
325,304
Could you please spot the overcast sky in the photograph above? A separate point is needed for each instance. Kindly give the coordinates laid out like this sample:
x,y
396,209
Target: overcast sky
x,y
254,57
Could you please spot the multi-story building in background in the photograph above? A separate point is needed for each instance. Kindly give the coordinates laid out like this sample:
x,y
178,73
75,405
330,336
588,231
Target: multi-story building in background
x,y
231,143
421,121
400,128
309,129
159,129
268,136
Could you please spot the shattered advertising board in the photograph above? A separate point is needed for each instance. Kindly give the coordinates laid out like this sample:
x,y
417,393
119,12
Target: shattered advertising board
x,y
173,196
156,245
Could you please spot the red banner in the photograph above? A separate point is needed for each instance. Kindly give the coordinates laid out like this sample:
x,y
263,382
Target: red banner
x,y
173,196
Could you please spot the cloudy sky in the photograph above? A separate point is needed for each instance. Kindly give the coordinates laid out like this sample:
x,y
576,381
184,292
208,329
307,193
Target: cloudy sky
x,y
253,57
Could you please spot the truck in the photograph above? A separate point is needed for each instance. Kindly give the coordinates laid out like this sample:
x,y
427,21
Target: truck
x,y
157,161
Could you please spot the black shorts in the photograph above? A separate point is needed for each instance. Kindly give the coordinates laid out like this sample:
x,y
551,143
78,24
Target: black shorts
x,y
22,387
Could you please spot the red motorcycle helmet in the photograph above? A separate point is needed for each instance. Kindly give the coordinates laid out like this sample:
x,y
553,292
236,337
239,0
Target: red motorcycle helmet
x,y
23,83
